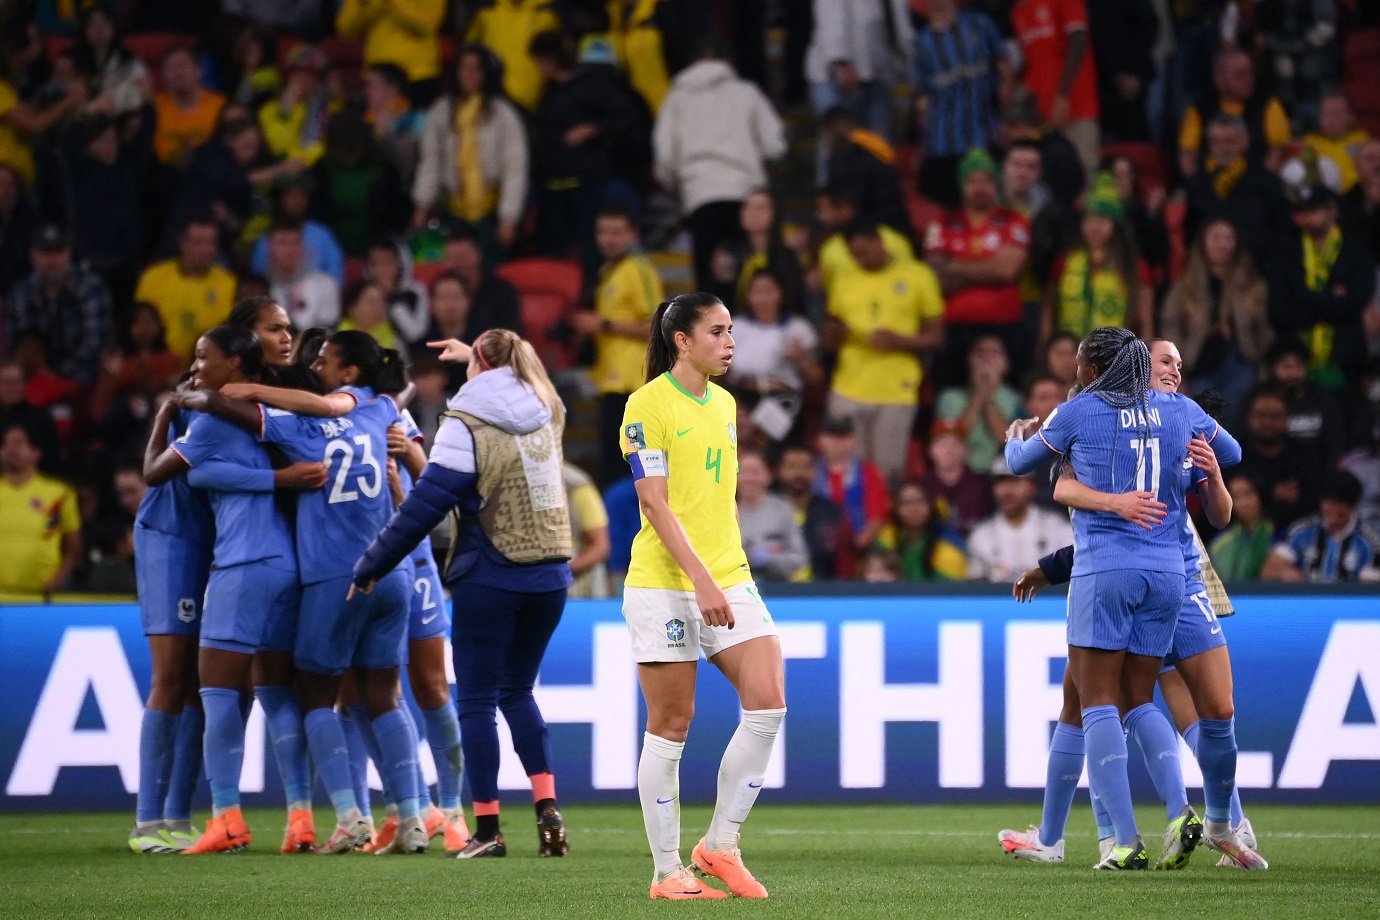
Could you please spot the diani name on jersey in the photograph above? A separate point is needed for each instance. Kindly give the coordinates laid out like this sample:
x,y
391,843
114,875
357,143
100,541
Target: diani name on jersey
x,y
335,427
1135,418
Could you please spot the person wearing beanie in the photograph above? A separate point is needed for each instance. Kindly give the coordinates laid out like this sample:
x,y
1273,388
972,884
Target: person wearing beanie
x,y
1101,280
979,252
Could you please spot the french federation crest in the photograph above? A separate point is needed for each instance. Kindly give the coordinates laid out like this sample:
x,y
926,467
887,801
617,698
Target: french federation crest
x,y
186,610
675,630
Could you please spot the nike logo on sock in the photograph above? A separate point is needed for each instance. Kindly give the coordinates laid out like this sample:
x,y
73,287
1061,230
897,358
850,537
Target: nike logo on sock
x,y
666,801
754,785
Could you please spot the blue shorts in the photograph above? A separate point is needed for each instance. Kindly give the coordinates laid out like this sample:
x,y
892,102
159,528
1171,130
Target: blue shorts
x,y
171,576
1131,610
1197,630
428,619
251,607
367,632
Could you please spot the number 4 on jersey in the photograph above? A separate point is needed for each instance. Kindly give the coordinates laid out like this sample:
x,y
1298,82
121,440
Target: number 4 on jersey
x,y
713,460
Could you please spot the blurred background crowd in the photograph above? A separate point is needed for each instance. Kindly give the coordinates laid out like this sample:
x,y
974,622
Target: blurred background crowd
x,y
915,209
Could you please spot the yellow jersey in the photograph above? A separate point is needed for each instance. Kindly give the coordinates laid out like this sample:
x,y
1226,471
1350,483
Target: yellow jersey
x,y
1342,151
629,292
901,298
402,32
33,518
835,260
507,29
14,146
189,306
699,440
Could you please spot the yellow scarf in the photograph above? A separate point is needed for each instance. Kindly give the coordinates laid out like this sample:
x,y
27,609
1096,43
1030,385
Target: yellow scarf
x,y
1317,267
474,200
1224,178
1089,297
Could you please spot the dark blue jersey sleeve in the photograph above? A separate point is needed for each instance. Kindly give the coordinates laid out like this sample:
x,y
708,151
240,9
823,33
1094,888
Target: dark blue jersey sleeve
x,y
437,491
1058,565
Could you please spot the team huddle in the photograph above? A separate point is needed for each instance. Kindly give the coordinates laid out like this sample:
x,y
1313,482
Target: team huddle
x,y
282,556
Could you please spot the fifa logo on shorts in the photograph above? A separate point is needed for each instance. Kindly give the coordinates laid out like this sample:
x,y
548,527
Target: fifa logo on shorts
x,y
675,631
186,610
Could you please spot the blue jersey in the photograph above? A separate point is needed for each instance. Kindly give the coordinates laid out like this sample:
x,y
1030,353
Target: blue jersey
x,y
249,527
1117,450
337,522
174,507
422,554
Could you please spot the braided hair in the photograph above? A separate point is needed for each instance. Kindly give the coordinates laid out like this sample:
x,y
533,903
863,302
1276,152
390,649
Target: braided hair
x,y
1124,378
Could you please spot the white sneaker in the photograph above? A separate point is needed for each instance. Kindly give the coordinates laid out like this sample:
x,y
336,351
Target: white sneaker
x,y
411,838
1246,833
1026,845
1219,836
1181,838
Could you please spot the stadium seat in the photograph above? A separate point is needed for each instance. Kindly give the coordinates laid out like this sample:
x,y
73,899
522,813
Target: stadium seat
x,y
1145,159
354,271
1361,75
427,273
1175,214
151,47
550,289
53,45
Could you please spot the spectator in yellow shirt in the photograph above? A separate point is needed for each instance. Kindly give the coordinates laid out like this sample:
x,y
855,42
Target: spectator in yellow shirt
x,y
507,28
883,317
184,112
1337,138
294,122
836,207
1233,92
40,528
402,32
628,294
191,292
589,526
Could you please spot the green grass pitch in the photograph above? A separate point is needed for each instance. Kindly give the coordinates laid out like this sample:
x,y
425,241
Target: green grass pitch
x,y
817,861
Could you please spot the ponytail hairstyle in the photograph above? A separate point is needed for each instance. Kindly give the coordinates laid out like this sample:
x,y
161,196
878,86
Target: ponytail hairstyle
x,y
679,314
242,343
380,369
1124,378
307,348
497,348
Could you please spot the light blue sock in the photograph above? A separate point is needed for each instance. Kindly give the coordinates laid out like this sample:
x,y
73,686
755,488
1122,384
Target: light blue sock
x,y
289,740
1217,758
1106,747
371,745
443,735
1061,781
359,761
328,750
157,735
398,744
186,767
1159,745
224,745
1238,814
1102,819
418,732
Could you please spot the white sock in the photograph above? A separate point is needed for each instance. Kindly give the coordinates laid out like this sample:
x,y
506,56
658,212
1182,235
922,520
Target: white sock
x,y
740,775
658,788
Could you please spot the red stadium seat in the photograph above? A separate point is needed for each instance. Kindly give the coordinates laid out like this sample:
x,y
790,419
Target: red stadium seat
x,y
1361,75
1145,159
1175,213
53,45
427,273
151,47
354,271
549,289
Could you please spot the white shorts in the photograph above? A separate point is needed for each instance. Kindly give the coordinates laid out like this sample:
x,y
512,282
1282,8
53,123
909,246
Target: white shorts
x,y
665,625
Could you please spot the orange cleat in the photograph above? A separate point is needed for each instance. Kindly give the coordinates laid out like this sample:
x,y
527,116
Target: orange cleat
x,y
383,838
682,885
456,833
225,833
435,821
727,866
300,835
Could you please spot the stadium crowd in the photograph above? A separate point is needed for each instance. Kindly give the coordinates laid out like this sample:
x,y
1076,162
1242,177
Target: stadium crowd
x,y
914,209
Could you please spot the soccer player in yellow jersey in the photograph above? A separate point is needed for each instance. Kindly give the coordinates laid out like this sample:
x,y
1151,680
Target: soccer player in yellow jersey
x,y
689,589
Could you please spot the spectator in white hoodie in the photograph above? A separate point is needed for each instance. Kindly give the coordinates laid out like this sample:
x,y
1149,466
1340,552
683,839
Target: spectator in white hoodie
x,y
713,134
